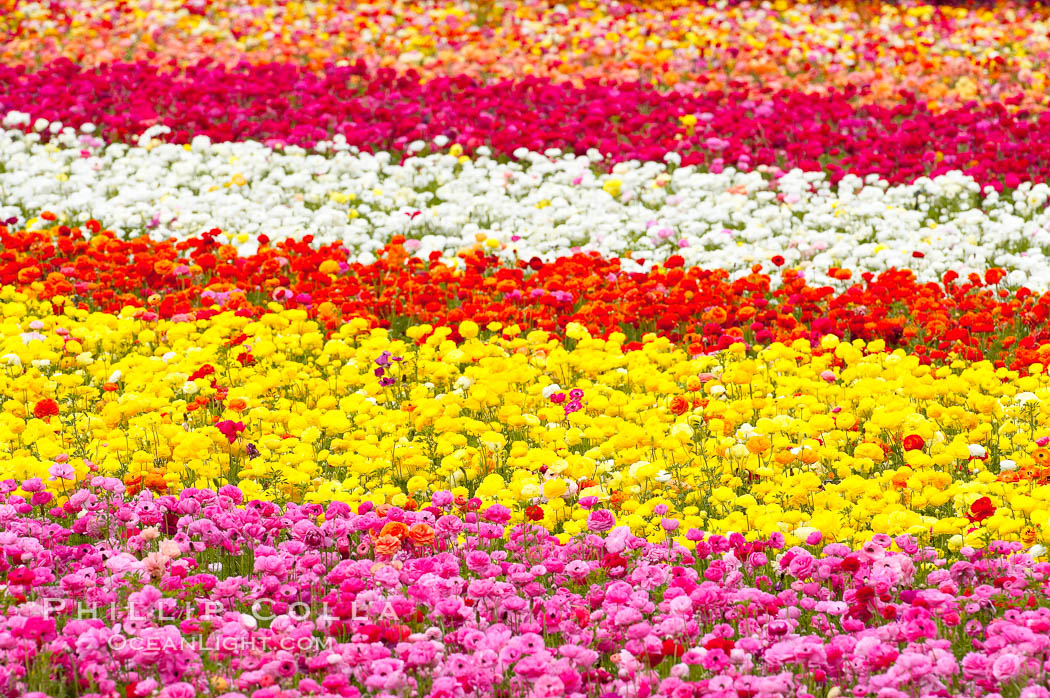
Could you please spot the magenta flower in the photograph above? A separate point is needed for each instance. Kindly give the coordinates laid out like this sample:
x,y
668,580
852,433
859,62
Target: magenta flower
x,y
230,429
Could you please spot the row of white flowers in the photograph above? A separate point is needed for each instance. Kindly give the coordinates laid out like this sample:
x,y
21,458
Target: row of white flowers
x,y
539,204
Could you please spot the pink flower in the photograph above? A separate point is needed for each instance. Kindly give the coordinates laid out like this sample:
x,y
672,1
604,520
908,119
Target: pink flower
x,y
61,471
600,521
178,690
616,541
1006,667
548,687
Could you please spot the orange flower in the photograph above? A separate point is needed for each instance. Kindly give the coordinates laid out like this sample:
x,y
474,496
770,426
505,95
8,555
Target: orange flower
x,y
156,482
237,404
679,405
133,484
395,529
758,444
716,315
387,546
421,534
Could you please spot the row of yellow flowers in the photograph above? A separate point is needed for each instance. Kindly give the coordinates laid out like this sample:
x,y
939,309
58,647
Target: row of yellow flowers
x,y
849,439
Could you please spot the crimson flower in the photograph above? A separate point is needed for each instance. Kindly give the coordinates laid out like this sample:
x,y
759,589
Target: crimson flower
x,y
981,510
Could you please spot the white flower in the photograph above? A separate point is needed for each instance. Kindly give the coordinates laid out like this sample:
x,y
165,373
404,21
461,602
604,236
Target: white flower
x,y
539,205
1007,465
1025,397
550,390
12,359
1036,551
977,451
190,388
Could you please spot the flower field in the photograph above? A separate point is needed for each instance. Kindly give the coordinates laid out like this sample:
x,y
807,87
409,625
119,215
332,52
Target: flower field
x,y
470,348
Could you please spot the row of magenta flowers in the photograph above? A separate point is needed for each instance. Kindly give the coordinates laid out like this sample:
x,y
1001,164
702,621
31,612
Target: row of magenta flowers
x,y
386,110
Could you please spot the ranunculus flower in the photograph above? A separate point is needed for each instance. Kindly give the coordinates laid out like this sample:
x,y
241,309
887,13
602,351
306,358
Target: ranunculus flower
x,y
600,520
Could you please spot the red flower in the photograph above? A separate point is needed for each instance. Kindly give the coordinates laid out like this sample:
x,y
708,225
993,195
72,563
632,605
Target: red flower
x,y
719,643
994,276
778,260
205,370
534,513
671,648
45,409
981,510
913,442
